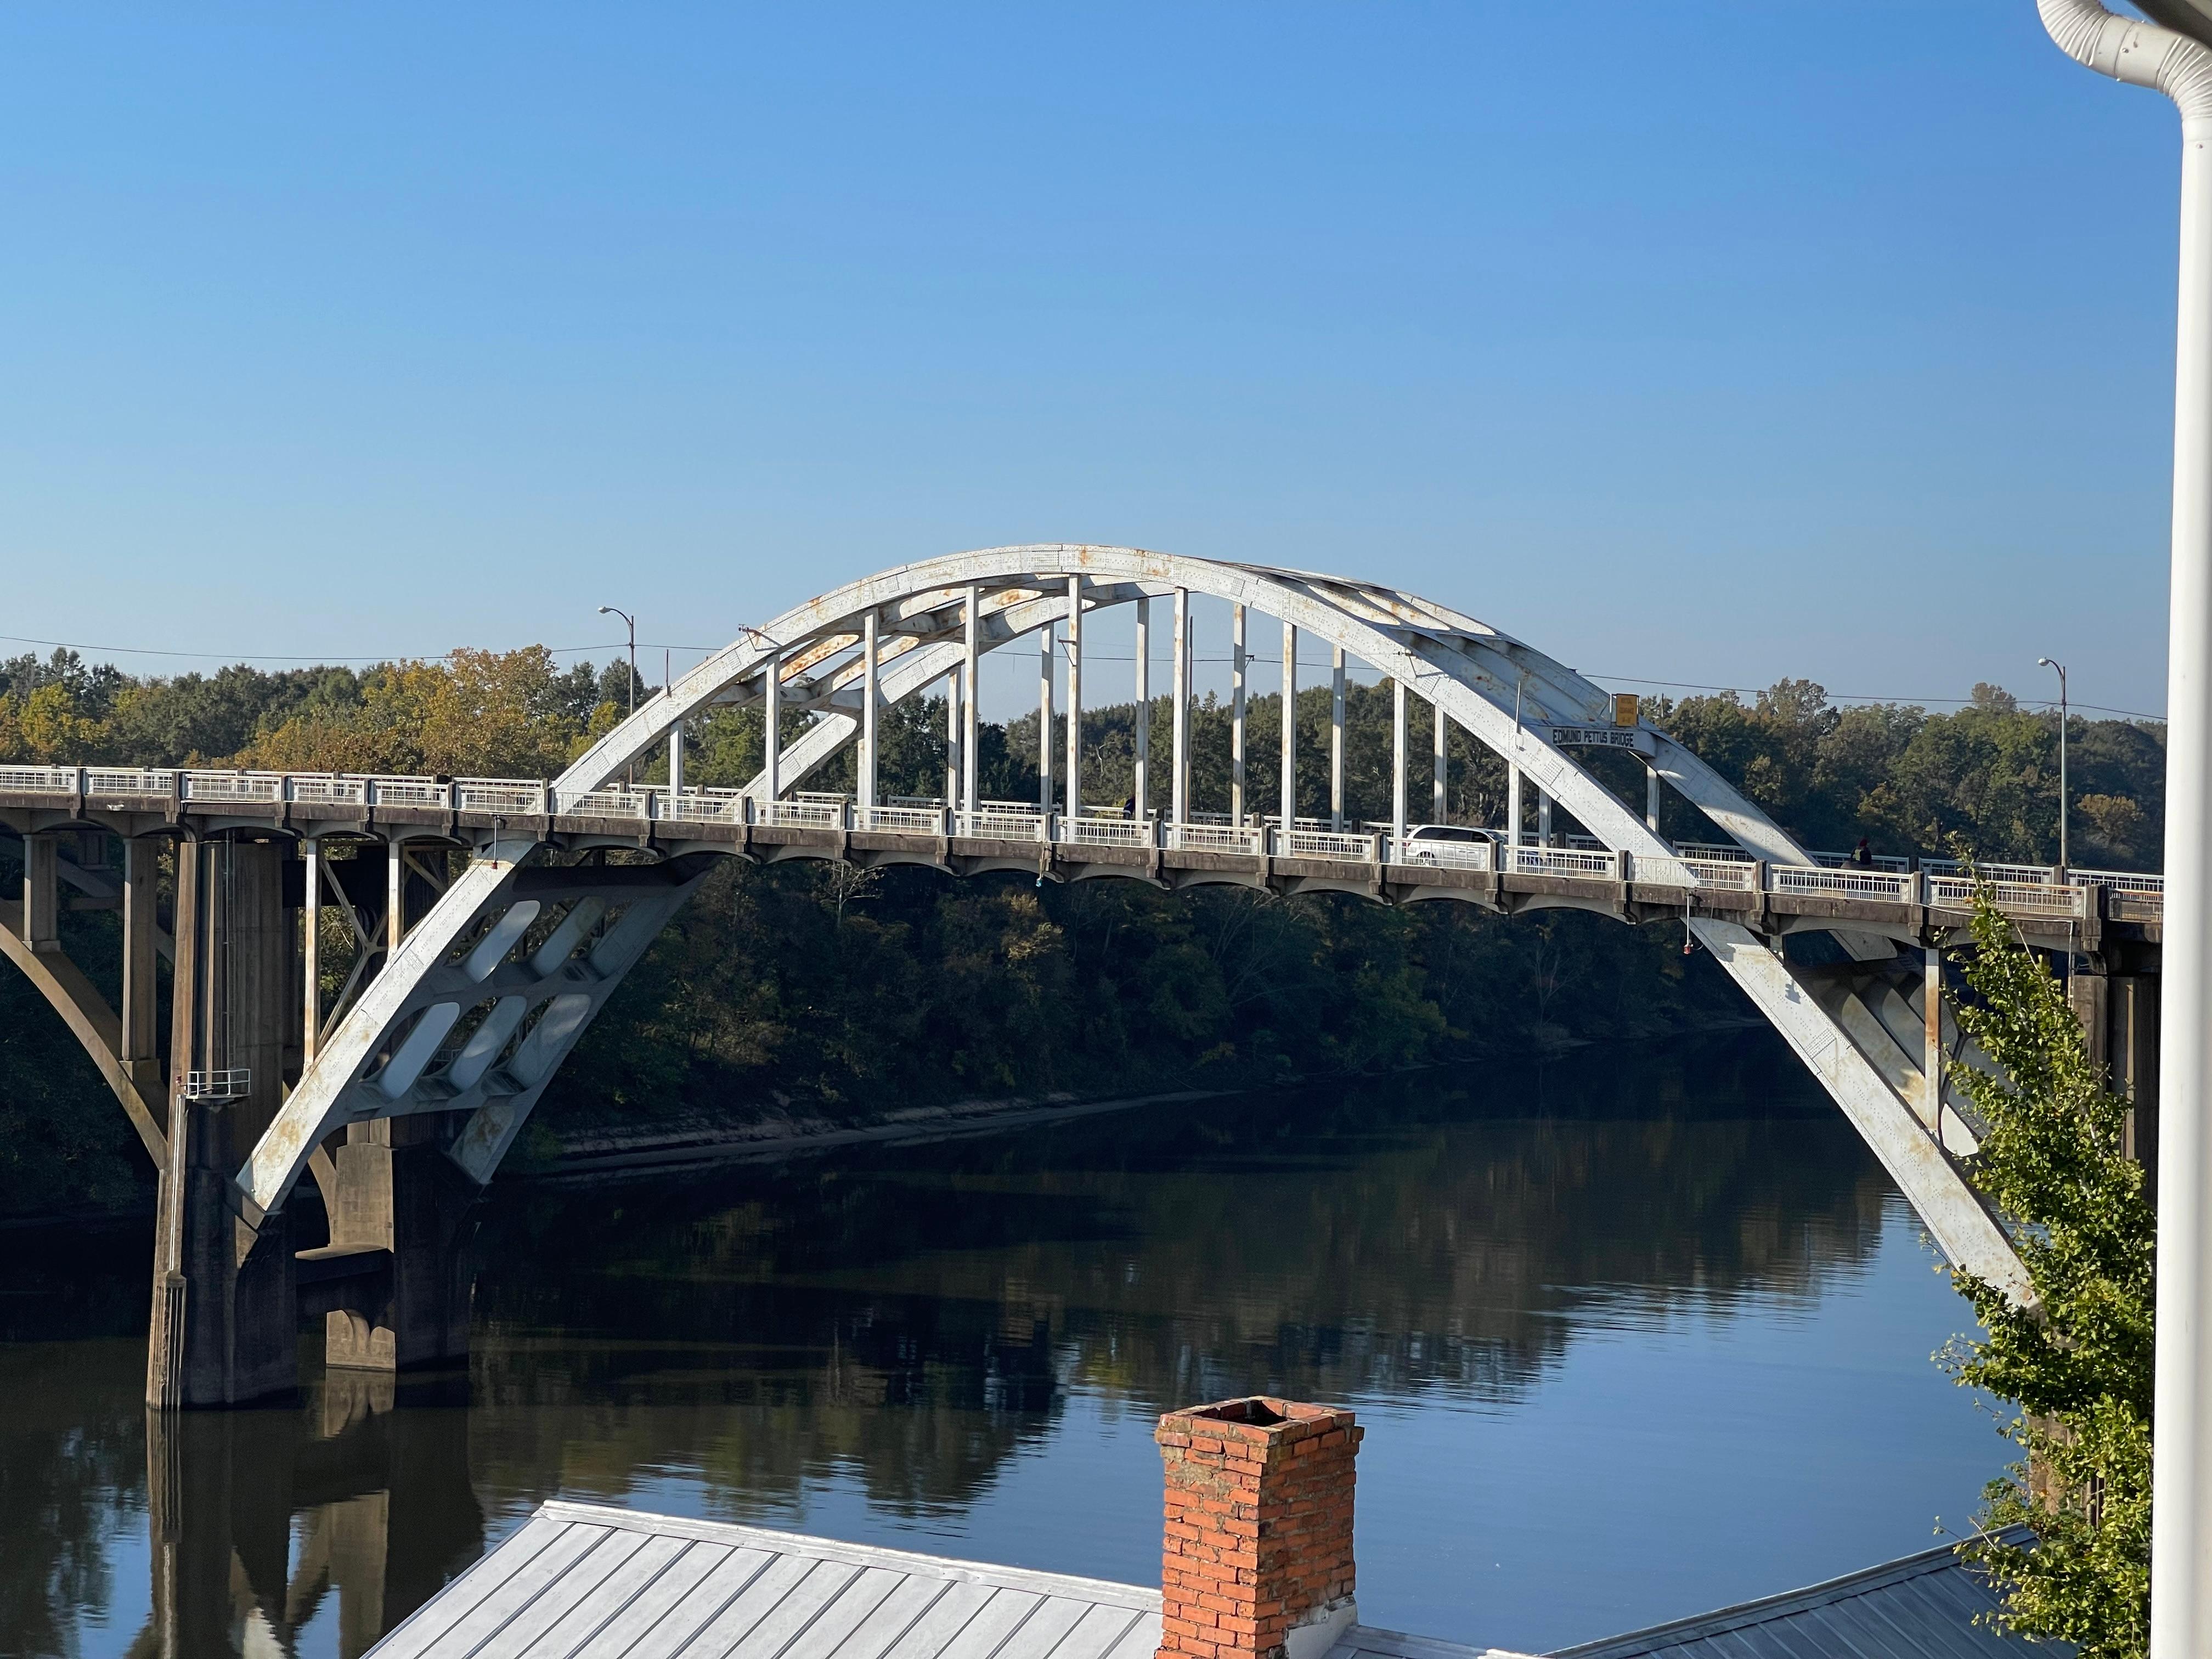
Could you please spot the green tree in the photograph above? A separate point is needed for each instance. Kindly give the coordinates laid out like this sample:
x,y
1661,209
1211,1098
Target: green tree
x,y
2077,1368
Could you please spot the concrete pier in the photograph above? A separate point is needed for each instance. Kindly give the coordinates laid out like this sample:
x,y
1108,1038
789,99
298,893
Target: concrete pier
x,y
390,1285
225,1320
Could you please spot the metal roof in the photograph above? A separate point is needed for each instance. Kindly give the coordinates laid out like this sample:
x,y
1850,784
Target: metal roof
x,y
583,1582
588,1582
1920,1608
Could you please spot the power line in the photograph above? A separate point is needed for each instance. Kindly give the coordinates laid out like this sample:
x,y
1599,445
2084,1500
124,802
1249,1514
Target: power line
x,y
1252,660
1854,697
425,656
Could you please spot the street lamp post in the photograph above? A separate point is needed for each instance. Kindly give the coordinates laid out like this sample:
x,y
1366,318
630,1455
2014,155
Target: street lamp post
x,y
630,776
2178,61
2064,863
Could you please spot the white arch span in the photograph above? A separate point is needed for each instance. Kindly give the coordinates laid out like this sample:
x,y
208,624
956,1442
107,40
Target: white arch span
x,y
387,1058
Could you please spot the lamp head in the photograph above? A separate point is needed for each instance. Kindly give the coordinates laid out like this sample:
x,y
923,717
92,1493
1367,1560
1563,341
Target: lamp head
x,y
606,610
2044,662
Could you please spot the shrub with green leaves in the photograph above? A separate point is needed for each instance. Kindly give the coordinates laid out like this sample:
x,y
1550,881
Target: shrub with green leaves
x,y
2077,1368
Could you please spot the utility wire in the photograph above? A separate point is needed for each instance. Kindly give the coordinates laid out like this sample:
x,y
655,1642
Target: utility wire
x,y
1252,660
617,646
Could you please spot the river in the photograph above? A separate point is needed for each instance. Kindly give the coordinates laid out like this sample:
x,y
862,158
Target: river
x,y
1636,1334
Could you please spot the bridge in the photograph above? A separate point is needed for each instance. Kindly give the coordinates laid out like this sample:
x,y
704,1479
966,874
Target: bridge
x,y
490,926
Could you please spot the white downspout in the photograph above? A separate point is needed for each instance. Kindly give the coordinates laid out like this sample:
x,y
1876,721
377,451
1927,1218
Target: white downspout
x,y
2145,55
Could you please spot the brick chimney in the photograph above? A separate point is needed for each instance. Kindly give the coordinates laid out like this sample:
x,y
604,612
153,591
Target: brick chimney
x,y
1255,1562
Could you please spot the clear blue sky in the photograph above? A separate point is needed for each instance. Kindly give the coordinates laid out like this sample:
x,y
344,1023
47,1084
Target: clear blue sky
x,y
1700,341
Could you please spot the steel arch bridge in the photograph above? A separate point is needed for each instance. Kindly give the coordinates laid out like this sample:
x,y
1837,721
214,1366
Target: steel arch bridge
x,y
469,990
459,1020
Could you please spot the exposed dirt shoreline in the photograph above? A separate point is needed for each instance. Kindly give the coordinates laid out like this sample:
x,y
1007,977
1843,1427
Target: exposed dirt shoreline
x,y
587,1155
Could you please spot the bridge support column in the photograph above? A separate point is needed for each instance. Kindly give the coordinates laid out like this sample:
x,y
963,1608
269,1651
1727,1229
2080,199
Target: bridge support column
x,y
2119,1016
952,740
1397,767
1140,788
398,1196
971,693
1290,744
1336,740
42,922
136,1024
1046,643
1074,782
1179,727
1439,761
224,1316
1931,1040
1237,699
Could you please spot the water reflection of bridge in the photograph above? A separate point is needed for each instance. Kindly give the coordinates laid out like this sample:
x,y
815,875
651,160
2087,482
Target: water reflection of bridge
x,y
258,1519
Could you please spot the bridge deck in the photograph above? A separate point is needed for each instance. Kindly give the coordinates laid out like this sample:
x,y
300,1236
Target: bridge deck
x,y
2082,909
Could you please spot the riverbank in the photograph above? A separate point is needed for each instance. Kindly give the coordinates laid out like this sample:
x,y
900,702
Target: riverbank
x,y
582,1154
597,1154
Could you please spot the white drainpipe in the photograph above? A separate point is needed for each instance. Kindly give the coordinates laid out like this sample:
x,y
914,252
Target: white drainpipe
x,y
2145,55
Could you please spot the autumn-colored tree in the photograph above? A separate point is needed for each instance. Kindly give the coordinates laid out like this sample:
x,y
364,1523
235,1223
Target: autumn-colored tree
x,y
476,713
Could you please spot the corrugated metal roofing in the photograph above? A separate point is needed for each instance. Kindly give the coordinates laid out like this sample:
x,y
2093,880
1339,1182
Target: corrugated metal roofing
x,y
1366,1642
1920,1608
583,1582
586,1582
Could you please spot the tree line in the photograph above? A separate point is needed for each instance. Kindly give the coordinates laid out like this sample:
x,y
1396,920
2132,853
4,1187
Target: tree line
x,y
819,990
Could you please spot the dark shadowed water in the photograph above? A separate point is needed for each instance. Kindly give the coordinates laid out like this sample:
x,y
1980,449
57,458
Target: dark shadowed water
x,y
1636,1334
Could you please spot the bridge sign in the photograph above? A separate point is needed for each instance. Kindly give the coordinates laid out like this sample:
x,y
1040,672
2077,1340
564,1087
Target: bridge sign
x,y
1637,739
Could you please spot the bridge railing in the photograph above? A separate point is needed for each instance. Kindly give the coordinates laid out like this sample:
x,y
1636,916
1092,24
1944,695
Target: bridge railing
x,y
1877,861
704,806
1087,831
1247,841
1882,886
1443,854
1728,875
2022,889
497,795
2040,875
899,820
1004,820
2039,898
1562,861
2120,880
109,781
1334,844
800,814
